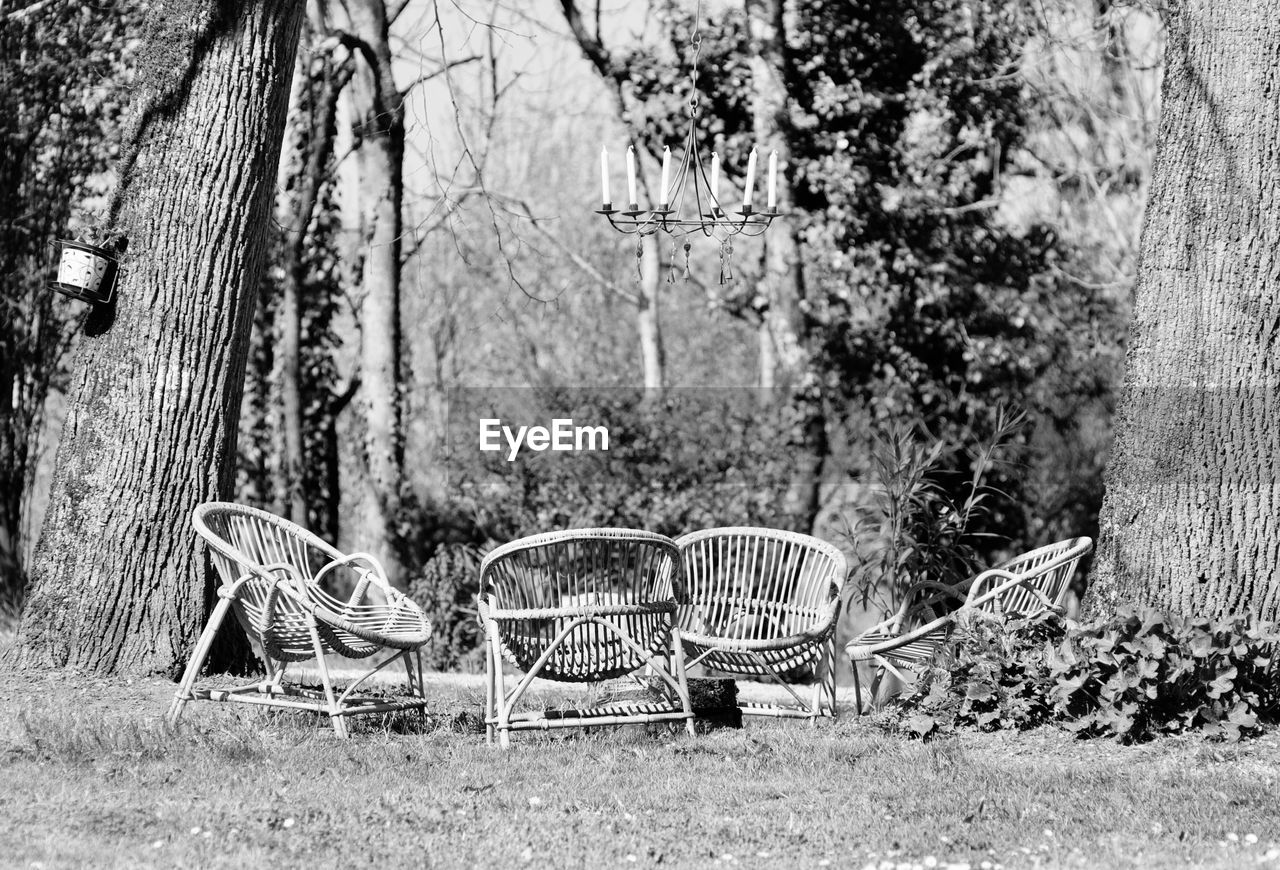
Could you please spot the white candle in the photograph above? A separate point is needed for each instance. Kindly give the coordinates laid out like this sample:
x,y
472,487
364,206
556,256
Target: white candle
x,y
631,176
751,179
773,180
604,177
666,176
715,180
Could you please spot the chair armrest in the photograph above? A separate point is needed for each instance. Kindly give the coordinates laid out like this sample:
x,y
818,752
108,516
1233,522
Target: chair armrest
x,y
893,624
900,640
371,575
291,584
1010,581
943,590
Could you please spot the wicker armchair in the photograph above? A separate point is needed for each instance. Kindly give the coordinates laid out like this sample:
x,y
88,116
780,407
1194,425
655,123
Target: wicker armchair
x,y
764,603
1026,585
272,571
582,606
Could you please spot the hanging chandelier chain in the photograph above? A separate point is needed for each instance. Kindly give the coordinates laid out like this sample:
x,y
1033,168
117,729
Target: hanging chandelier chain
x,y
695,43
708,215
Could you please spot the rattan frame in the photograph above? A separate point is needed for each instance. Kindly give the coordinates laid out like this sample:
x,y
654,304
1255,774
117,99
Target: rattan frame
x,y
1025,585
271,571
764,603
586,605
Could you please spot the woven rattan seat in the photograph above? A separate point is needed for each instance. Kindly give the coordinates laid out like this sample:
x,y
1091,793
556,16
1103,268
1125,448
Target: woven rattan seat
x,y
763,604
582,606
1026,585
273,574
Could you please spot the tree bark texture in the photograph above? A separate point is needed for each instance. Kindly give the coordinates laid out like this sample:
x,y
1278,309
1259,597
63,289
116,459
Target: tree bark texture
x,y
1191,519
119,582
380,159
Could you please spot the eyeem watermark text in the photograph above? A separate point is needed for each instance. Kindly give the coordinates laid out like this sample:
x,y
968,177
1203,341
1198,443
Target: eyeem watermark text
x,y
562,436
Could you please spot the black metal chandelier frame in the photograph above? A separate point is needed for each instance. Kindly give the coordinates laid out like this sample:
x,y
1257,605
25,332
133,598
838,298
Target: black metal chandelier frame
x,y
675,215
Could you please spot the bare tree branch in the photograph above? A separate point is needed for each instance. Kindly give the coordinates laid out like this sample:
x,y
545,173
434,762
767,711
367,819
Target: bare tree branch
x,y
442,71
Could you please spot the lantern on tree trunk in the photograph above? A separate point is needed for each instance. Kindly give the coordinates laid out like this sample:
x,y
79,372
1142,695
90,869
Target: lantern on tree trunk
x,y
86,272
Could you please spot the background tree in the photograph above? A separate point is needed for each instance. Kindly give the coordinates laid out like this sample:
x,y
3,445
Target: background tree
x,y
289,446
62,71
646,298
155,396
1189,522
380,145
919,299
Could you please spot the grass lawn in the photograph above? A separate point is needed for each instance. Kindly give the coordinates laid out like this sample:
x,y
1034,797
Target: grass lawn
x,y
92,778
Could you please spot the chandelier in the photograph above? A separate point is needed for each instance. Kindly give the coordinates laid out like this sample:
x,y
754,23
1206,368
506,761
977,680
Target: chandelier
x,y
692,203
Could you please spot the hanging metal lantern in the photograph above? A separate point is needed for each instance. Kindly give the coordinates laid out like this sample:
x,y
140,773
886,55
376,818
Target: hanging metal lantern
x,y
85,272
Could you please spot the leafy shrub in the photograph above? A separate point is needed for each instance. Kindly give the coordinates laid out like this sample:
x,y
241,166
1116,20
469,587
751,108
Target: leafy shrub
x,y
1145,673
922,522
690,459
446,589
998,676
1137,675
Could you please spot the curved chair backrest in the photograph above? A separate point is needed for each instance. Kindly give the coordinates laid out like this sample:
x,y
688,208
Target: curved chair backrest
x,y
756,583
1048,569
583,566
247,542
627,580
244,539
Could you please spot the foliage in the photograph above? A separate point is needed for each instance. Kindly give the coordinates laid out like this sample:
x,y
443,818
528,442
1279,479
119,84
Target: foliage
x,y
1146,672
689,460
446,588
63,69
925,299
692,459
997,677
320,294
921,523
1137,675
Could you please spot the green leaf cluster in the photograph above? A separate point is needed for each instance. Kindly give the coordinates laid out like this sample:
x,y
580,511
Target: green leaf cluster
x,y
923,520
1134,676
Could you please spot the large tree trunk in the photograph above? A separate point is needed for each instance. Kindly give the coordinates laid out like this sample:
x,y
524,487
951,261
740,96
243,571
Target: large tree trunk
x,y
381,165
1191,520
118,579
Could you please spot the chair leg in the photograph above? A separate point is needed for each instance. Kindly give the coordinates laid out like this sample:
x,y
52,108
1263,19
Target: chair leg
x,y
490,706
876,683
403,655
196,661
825,696
412,659
502,715
677,660
339,722
857,688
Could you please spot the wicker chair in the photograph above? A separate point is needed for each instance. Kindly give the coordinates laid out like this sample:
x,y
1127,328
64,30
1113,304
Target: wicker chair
x,y
272,573
764,603
1026,585
582,606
